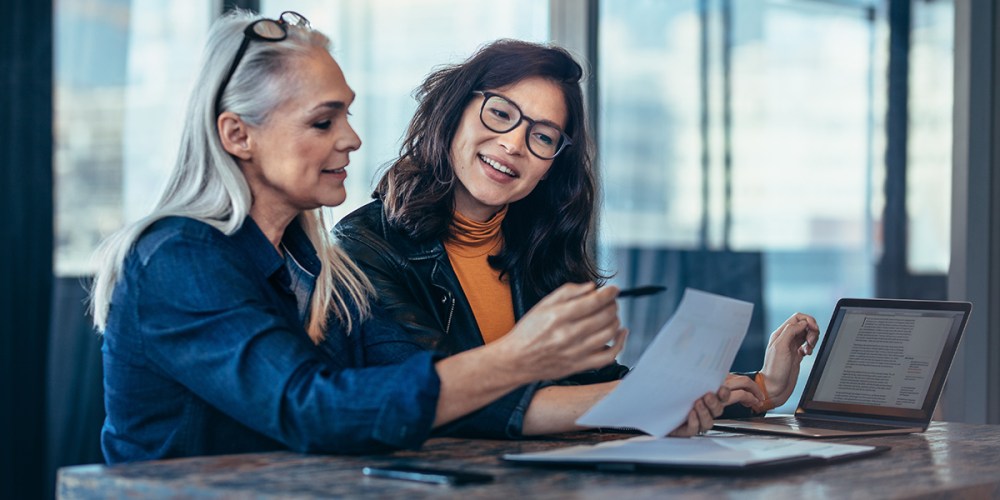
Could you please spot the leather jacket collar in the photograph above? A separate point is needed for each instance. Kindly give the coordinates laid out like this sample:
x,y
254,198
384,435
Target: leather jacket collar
x,y
381,249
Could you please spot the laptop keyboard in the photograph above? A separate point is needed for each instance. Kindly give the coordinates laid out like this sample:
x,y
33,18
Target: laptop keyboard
x,y
826,424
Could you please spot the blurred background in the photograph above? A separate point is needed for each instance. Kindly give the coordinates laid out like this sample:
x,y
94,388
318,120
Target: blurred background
x,y
784,152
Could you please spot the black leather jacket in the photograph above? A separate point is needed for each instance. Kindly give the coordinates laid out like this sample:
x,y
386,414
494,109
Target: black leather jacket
x,y
418,287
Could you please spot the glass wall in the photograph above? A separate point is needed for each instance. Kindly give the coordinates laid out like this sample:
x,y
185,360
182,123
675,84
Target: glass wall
x,y
742,148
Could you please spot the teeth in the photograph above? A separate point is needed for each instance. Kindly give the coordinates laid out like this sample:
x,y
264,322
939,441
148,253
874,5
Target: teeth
x,y
496,166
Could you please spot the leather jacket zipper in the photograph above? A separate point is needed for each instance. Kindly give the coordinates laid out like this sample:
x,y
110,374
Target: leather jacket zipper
x,y
451,311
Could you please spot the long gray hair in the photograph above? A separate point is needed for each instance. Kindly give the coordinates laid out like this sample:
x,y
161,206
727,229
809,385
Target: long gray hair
x,y
207,184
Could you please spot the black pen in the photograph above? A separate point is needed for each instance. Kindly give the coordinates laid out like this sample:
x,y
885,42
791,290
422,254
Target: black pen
x,y
641,290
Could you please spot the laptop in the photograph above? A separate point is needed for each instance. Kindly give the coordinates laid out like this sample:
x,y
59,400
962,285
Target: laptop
x,y
880,369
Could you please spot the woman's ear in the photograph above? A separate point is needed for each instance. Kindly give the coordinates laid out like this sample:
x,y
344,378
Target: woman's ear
x,y
234,135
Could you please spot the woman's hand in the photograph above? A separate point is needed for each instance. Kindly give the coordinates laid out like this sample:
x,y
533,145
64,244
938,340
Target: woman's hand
x,y
574,328
791,342
702,415
743,390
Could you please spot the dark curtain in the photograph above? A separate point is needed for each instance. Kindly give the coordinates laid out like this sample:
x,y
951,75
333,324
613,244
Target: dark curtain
x,y
25,242
75,390
738,275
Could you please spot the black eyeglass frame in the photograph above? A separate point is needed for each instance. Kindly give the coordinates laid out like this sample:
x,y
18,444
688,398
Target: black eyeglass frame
x,y
564,140
251,33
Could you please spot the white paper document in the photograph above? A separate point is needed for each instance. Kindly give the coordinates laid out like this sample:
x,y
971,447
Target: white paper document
x,y
690,356
705,451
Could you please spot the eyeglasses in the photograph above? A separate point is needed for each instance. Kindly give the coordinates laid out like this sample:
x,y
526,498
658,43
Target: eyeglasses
x,y
265,30
501,115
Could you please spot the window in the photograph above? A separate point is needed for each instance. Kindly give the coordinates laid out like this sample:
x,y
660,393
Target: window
x,y
930,133
123,70
743,148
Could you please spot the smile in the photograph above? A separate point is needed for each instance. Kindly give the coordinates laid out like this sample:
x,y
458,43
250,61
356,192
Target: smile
x,y
334,170
499,167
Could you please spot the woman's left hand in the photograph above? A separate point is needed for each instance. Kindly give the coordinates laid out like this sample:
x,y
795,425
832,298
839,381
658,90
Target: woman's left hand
x,y
791,342
702,415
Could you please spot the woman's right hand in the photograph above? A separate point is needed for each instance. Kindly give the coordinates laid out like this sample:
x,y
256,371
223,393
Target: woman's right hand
x,y
703,413
574,328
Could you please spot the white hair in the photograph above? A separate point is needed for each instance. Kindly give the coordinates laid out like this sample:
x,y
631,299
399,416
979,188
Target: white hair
x,y
208,185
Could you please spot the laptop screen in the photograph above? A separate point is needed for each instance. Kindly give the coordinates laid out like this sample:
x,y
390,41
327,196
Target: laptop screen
x,y
885,358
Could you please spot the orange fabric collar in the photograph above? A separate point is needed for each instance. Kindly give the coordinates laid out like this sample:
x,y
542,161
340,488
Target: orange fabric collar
x,y
471,238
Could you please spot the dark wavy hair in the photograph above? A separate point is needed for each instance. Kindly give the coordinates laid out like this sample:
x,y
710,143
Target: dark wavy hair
x,y
546,233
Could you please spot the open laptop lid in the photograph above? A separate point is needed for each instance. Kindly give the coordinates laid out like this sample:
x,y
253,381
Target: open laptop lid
x,y
884,359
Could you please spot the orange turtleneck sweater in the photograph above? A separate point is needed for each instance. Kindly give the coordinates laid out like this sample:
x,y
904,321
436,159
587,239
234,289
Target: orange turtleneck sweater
x,y
468,248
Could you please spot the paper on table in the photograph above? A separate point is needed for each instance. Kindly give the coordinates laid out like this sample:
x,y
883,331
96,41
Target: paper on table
x,y
689,356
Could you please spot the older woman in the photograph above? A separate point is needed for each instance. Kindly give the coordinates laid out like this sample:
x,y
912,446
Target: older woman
x,y
489,208
231,323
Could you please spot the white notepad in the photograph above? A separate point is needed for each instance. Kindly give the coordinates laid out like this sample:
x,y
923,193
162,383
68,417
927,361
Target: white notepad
x,y
713,452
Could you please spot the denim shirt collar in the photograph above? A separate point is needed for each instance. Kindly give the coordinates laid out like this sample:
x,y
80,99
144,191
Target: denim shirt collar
x,y
266,258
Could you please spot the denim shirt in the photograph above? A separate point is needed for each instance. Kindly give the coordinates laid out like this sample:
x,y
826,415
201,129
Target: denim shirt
x,y
205,353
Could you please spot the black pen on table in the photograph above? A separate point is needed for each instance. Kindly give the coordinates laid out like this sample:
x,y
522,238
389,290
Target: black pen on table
x,y
639,291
